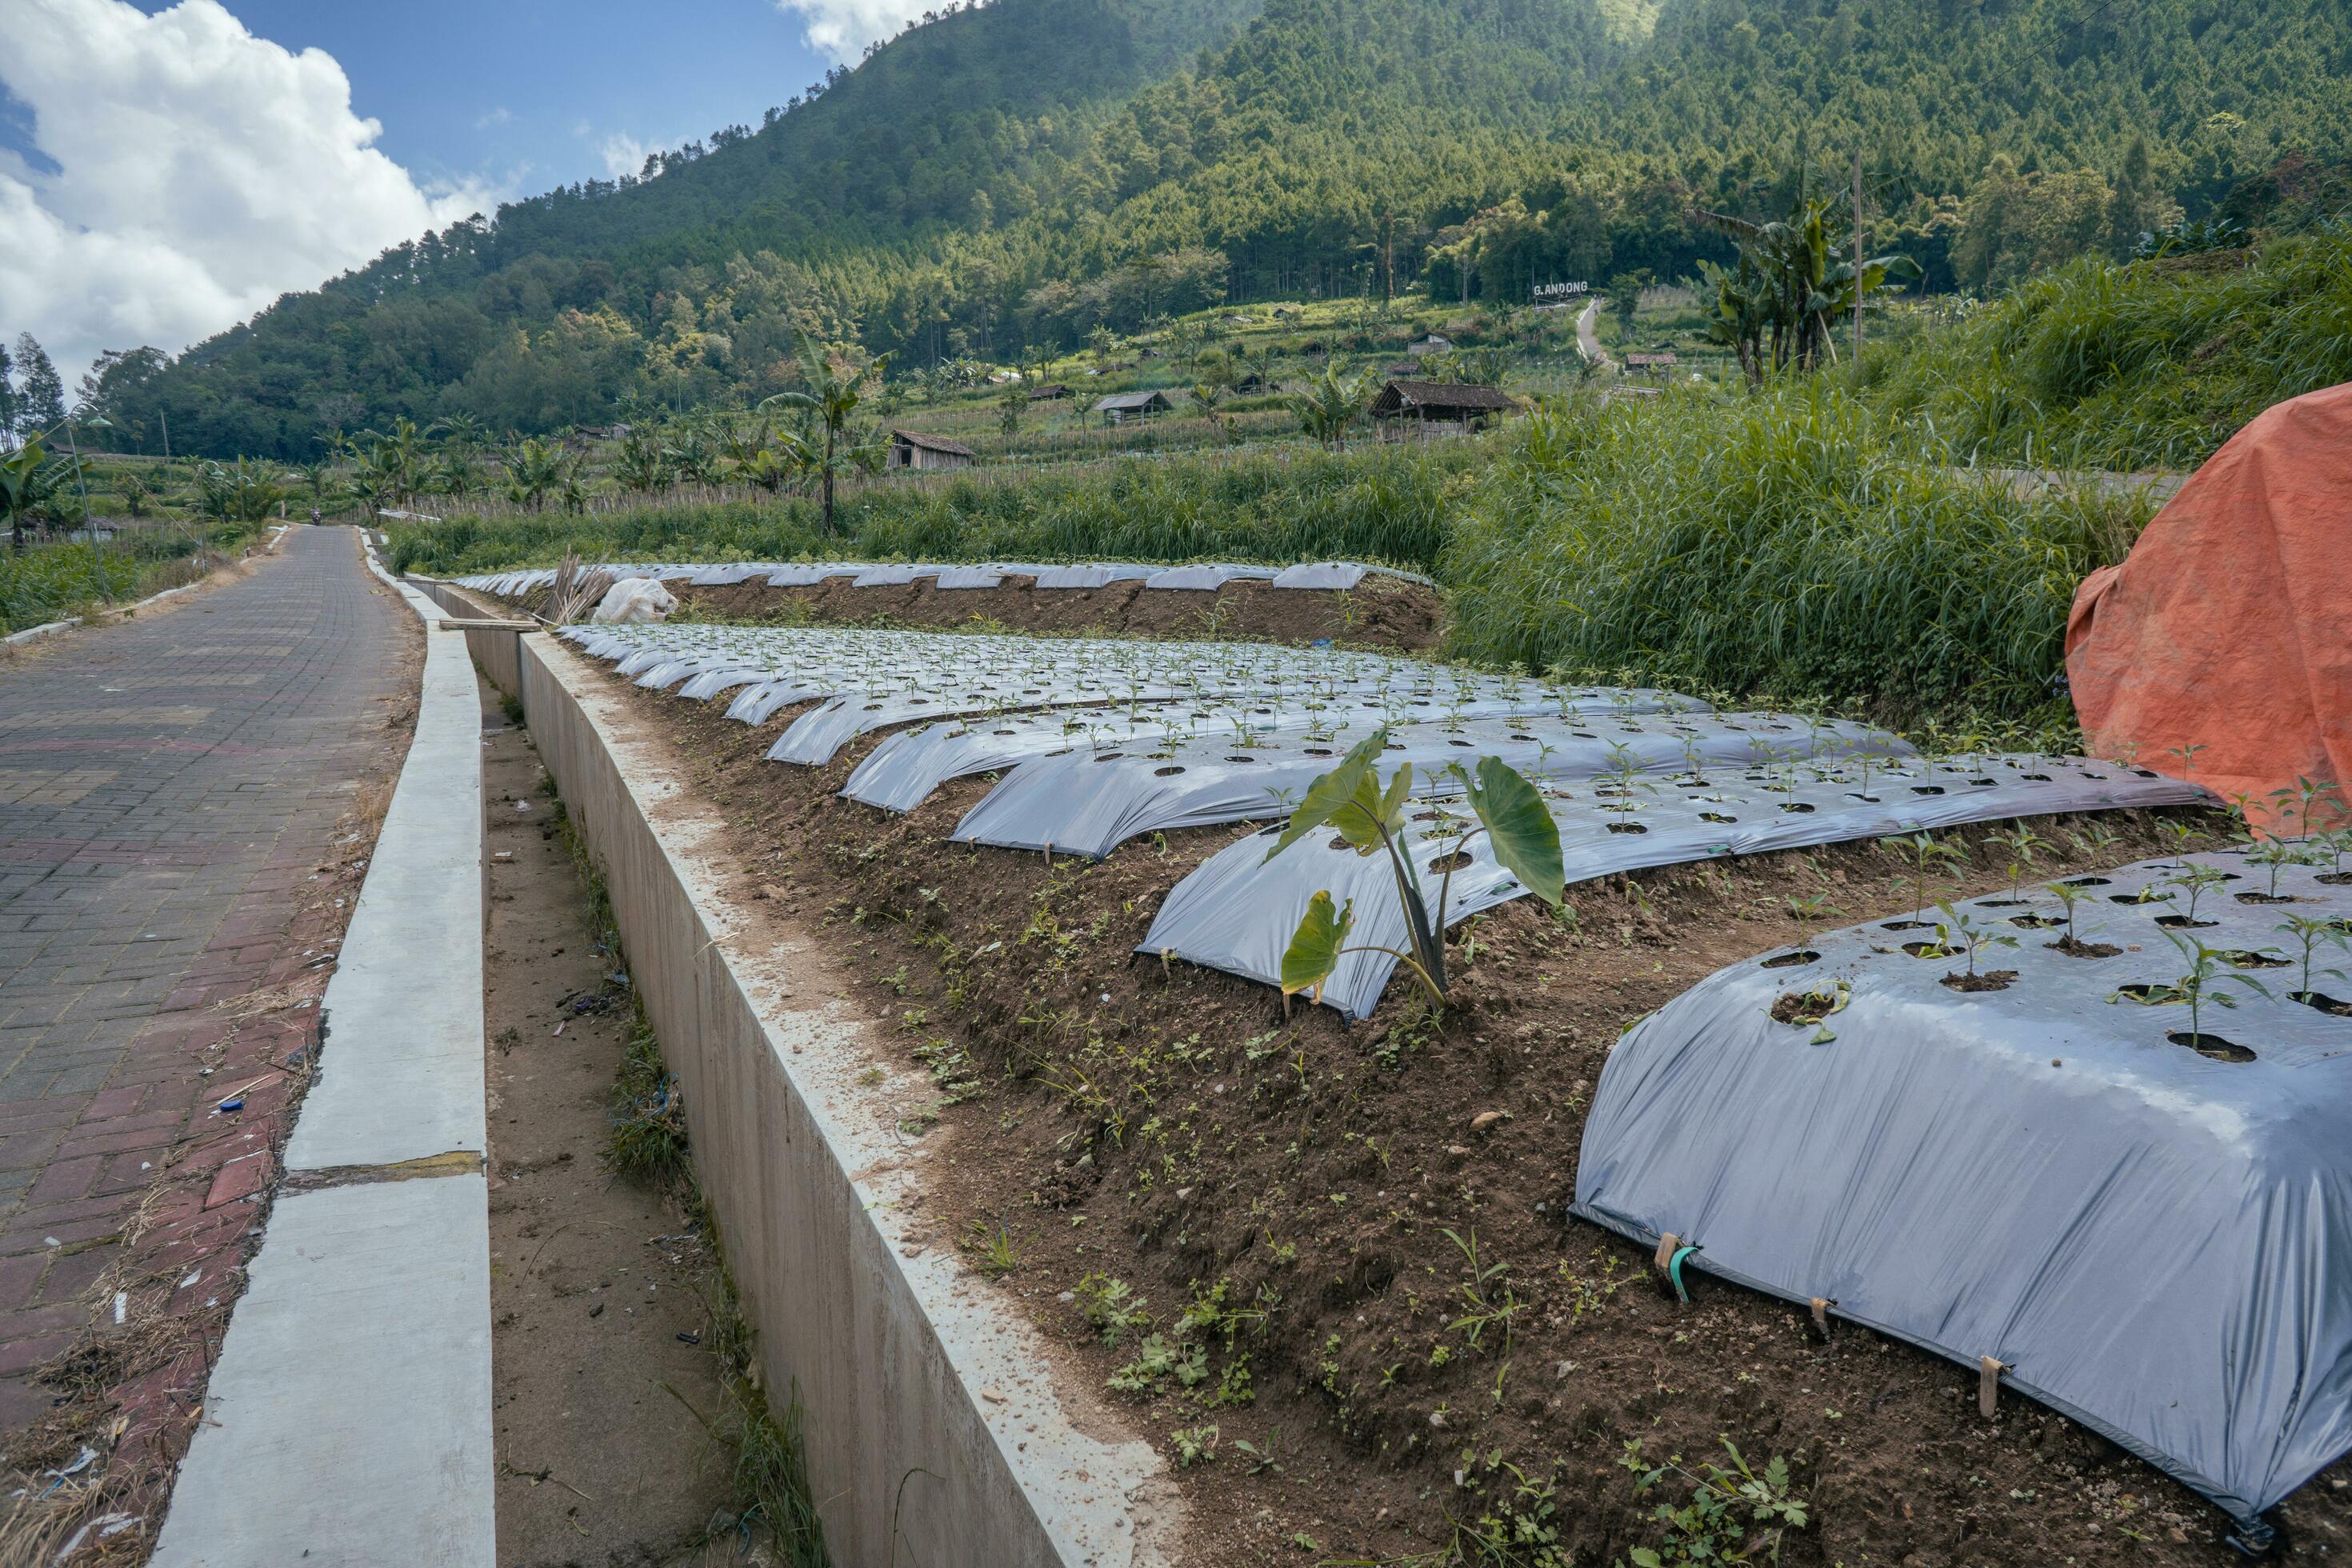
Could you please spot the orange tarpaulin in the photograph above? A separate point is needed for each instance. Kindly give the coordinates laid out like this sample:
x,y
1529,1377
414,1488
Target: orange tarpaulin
x,y
2229,627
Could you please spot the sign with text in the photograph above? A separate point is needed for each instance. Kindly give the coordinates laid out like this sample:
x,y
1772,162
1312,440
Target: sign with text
x,y
1560,293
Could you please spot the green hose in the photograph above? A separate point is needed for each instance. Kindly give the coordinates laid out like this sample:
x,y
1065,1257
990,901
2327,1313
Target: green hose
x,y
1675,1273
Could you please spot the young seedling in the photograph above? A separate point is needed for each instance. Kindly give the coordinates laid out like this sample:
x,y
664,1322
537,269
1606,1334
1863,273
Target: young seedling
x,y
1371,820
2195,880
1922,851
2277,854
1956,934
2021,845
2207,979
2309,934
2071,942
2188,755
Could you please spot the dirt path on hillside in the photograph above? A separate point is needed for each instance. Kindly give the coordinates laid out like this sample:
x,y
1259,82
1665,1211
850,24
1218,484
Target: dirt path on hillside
x,y
606,1385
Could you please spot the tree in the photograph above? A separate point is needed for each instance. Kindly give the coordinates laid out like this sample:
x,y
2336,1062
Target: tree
x,y
835,389
1625,295
24,486
1796,281
7,398
1330,404
41,399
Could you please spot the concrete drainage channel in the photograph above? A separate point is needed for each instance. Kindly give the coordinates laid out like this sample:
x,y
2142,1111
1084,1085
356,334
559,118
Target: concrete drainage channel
x,y
937,1435
348,1420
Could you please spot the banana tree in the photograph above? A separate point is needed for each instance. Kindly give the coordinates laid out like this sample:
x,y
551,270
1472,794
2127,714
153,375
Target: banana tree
x,y
1371,818
833,392
535,471
1329,404
1797,281
24,486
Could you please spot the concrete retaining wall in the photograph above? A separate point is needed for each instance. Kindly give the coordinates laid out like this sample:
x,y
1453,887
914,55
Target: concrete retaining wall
x,y
935,1432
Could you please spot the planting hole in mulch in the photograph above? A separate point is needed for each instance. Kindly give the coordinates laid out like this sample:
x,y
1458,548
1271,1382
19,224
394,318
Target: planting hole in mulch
x,y
2245,958
2321,1002
2267,898
2084,882
2182,923
2153,994
2036,922
1926,949
1987,980
2075,947
1790,959
1803,1006
2212,1045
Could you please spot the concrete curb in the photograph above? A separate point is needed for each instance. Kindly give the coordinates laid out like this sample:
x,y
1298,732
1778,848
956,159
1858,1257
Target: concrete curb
x,y
46,628
937,1431
347,1421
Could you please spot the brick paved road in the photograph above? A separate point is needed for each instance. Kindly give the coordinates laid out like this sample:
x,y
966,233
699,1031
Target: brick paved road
x,y
169,788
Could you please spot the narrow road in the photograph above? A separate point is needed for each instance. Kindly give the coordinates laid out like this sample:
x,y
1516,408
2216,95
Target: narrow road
x,y
181,797
1587,339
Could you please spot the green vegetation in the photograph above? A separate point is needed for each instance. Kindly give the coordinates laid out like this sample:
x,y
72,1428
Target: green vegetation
x,y
1027,173
55,581
2149,365
1794,542
1379,505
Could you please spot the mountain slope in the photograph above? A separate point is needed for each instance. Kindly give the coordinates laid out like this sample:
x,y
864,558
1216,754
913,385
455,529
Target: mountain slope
x,y
1004,175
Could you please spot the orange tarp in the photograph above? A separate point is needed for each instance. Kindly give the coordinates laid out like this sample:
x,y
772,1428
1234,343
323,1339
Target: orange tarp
x,y
2230,625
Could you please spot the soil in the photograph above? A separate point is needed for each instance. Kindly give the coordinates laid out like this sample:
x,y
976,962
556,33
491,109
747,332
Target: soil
x,y
602,1377
1985,980
1379,612
1304,1214
2075,947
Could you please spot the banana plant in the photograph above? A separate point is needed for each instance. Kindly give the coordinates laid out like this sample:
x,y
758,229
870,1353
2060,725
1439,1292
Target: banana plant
x,y
1796,281
1371,818
23,488
1330,404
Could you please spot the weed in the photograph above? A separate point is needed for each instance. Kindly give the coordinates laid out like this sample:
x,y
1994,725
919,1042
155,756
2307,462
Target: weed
x,y
990,1248
1110,1308
1709,1526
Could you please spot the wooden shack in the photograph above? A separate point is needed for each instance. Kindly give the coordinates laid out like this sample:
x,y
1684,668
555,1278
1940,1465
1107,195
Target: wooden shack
x,y
1121,406
1411,410
914,449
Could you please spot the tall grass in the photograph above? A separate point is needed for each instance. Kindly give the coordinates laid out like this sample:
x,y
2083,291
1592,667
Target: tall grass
x,y
2146,365
1374,504
53,582
1795,542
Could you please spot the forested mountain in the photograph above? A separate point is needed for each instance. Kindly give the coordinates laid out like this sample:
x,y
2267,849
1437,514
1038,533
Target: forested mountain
x,y
1024,171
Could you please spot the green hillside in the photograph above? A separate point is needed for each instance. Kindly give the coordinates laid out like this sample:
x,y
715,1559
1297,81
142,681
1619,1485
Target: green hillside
x,y
1020,173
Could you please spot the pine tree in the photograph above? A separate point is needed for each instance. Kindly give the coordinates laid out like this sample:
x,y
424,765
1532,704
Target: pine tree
x,y
8,397
41,400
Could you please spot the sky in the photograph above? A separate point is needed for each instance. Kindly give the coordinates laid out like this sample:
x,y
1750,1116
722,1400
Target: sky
x,y
167,170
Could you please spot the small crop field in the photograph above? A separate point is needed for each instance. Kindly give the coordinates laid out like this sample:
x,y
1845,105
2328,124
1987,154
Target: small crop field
x,y
1322,1255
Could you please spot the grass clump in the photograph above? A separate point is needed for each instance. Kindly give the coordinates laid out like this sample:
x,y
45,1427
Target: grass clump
x,y
1794,543
2145,365
57,580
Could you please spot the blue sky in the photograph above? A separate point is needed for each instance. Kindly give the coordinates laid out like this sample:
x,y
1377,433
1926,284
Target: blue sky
x,y
521,95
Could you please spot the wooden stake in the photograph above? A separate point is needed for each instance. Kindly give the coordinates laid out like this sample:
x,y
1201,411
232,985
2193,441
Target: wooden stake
x,y
1822,1305
1668,1245
1988,1371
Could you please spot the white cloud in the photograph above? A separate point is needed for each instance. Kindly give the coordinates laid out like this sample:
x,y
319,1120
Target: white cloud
x,y
843,29
623,154
199,173
501,115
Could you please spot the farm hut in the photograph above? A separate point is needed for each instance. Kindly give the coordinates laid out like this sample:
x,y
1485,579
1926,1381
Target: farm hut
x,y
1049,392
914,449
1121,406
1659,364
1429,343
1406,409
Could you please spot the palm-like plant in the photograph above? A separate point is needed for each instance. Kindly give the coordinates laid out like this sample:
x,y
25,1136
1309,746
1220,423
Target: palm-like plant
x,y
833,389
643,464
23,488
1797,281
1330,404
535,471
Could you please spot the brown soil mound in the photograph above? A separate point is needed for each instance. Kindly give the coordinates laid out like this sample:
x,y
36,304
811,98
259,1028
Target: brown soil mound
x,y
1348,1249
1384,612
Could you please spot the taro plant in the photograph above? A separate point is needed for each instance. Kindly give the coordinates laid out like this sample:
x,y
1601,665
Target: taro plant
x,y
2309,934
1371,819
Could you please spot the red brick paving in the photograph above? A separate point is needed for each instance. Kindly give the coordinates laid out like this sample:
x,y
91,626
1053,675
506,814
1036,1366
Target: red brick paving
x,y
203,867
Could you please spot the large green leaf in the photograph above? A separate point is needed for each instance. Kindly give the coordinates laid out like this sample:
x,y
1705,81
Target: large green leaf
x,y
1315,946
1335,792
1525,838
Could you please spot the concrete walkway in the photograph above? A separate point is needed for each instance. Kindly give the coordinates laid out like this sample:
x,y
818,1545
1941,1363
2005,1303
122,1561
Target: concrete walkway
x,y
171,791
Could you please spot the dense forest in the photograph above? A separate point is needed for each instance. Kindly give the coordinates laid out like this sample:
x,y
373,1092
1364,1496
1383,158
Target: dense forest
x,y
1029,171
